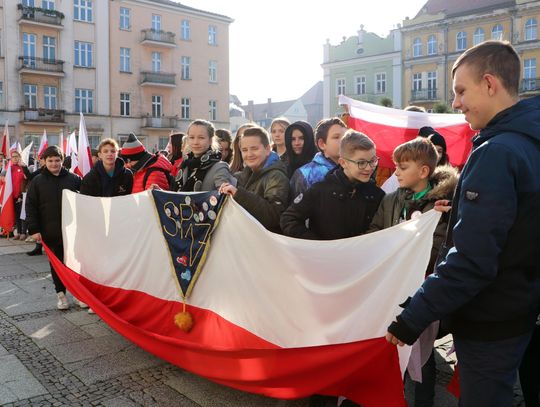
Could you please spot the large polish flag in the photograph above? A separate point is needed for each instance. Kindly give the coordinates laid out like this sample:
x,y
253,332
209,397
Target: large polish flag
x,y
274,315
43,144
84,153
389,128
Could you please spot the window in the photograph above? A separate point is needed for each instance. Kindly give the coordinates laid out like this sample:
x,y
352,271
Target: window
x,y
417,47
212,110
162,143
47,4
461,41
184,108
497,32
84,101
432,45
30,96
432,85
28,3
185,30
530,29
212,35
125,107
417,82
156,106
340,86
94,140
184,63
49,48
29,49
83,54
478,36
380,83
361,85
49,94
156,61
125,59
212,71
156,22
82,10
125,18
529,74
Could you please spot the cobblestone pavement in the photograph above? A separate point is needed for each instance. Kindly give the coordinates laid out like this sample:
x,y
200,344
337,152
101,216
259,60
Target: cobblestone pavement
x,y
71,358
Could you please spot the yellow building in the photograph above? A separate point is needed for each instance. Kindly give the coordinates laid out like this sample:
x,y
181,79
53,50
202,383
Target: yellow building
x,y
442,30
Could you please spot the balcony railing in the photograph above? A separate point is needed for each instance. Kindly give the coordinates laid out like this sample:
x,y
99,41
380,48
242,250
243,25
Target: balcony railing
x,y
41,64
40,15
158,78
166,37
424,94
530,84
43,115
162,122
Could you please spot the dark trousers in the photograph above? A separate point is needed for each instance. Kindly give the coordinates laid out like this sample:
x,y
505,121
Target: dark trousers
x,y
58,250
424,393
19,223
488,370
529,371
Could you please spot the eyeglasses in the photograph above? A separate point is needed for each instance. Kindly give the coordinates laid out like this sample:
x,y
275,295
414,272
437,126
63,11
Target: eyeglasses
x,y
362,164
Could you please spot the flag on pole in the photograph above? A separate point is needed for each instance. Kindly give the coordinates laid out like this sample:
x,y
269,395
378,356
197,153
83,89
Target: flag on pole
x,y
7,212
43,144
311,320
85,154
15,147
388,128
61,143
25,154
71,151
4,147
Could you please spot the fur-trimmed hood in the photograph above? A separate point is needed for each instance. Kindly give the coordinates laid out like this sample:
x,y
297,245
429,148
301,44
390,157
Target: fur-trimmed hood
x,y
443,181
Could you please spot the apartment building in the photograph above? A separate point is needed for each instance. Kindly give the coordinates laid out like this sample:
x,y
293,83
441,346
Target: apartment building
x,y
141,66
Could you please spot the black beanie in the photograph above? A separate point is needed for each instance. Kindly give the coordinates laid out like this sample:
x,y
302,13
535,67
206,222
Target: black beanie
x,y
438,140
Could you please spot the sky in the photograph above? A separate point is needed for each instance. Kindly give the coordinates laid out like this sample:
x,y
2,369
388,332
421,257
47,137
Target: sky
x,y
276,47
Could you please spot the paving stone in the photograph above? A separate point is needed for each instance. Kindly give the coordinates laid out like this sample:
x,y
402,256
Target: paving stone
x,y
120,402
98,330
50,331
16,382
89,349
82,317
25,303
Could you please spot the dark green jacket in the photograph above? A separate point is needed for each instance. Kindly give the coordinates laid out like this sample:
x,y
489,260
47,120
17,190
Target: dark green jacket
x,y
264,193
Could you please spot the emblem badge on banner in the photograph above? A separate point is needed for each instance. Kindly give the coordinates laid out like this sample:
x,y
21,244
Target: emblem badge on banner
x,y
187,222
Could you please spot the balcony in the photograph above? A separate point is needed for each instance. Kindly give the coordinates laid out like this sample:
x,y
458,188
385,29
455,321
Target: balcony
x,y
34,65
158,38
529,85
424,95
167,80
42,116
162,122
41,17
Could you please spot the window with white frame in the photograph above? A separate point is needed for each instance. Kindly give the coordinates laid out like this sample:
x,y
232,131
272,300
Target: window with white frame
x,y
185,73
125,59
49,48
417,47
185,30
360,85
212,71
125,104
212,110
83,10
29,46
380,83
432,85
94,140
212,35
83,54
529,74
156,61
432,45
340,86
184,108
125,18
28,3
156,22
461,41
530,29
478,36
157,105
47,4
49,95
497,32
84,101
417,82
30,96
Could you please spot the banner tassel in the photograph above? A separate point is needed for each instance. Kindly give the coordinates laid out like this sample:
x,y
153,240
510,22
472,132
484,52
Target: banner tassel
x,y
184,319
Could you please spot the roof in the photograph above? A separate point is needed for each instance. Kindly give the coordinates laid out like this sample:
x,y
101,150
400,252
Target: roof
x,y
457,7
265,110
314,95
187,8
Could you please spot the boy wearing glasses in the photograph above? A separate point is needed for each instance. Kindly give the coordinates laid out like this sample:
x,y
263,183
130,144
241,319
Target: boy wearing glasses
x,y
343,204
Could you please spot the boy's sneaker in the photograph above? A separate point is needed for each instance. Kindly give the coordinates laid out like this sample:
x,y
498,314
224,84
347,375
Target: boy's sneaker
x,y
91,311
62,301
82,304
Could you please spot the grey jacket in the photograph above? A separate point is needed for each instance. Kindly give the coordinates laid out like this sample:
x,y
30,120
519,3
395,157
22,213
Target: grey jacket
x,y
216,175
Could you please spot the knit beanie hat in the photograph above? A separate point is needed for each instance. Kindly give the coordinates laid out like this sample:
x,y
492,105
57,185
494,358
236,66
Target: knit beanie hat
x,y
132,148
426,131
438,140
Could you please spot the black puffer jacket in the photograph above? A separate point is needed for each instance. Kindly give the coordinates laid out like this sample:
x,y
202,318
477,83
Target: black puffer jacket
x,y
336,208
44,203
98,183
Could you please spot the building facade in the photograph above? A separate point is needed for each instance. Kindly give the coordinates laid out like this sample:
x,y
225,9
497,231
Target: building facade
x,y
141,66
365,67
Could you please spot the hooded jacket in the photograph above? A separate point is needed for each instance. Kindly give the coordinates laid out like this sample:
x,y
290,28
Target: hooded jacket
x,y
336,208
98,183
311,173
308,150
488,287
159,167
265,192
